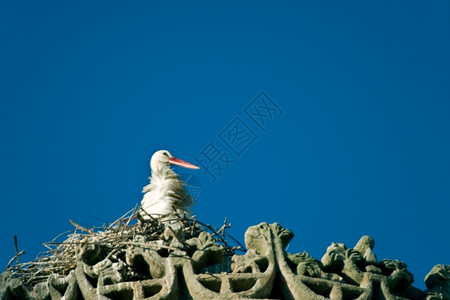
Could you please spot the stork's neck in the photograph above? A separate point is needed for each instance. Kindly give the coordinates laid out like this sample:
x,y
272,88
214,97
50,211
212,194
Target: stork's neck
x,y
163,172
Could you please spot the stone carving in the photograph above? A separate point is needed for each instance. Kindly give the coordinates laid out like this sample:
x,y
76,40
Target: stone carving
x,y
438,283
364,247
206,251
176,264
250,279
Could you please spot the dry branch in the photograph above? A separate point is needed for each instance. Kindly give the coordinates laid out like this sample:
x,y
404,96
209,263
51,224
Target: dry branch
x,y
114,239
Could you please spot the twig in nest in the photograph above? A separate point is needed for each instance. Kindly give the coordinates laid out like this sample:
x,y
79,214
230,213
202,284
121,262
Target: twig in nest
x,y
222,238
193,226
145,245
123,219
237,242
16,248
224,226
113,239
81,227
15,258
111,253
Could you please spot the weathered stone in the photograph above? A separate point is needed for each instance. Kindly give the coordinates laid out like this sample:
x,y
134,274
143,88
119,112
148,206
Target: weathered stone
x,y
333,259
438,282
57,287
364,247
176,267
12,288
249,279
146,262
206,251
251,262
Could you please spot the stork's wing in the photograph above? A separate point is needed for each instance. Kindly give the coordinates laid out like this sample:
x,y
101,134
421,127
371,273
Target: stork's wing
x,y
147,188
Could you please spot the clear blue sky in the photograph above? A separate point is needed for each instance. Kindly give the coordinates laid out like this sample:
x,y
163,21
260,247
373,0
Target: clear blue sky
x,y
359,146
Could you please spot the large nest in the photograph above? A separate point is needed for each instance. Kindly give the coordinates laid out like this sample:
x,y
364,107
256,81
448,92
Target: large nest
x,y
113,240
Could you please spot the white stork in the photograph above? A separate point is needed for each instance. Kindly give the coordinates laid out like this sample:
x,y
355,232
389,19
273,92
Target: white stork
x,y
165,194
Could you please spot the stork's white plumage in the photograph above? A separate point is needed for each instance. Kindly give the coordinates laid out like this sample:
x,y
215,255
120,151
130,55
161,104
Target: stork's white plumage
x,y
165,193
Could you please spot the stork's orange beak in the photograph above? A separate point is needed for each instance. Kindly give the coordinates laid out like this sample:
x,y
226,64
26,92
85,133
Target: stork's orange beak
x,y
182,163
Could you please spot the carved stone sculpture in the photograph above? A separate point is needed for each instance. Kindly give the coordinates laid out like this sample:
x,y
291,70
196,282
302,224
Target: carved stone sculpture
x,y
438,283
181,265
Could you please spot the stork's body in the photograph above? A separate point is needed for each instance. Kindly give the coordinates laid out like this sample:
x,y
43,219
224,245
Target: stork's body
x,y
165,193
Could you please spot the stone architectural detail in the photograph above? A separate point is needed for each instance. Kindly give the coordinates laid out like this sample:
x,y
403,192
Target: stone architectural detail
x,y
438,283
181,264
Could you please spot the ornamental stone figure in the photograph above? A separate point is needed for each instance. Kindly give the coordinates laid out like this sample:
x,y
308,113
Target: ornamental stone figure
x,y
142,261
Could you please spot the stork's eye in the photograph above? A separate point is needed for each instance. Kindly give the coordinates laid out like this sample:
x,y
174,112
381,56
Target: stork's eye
x,y
165,153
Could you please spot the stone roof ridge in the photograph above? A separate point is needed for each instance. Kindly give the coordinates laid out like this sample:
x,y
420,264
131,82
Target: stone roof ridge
x,y
176,257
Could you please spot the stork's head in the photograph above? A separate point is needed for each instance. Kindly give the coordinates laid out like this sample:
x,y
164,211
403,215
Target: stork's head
x,y
163,158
